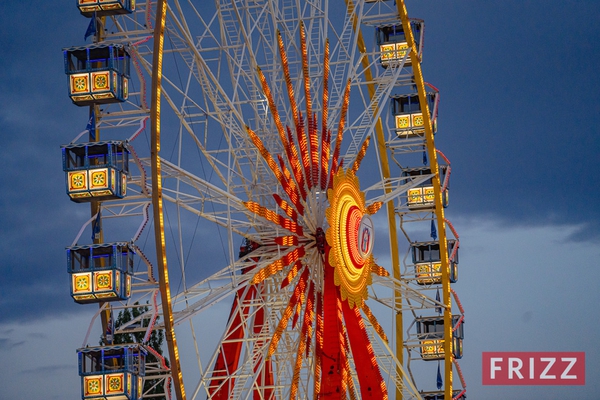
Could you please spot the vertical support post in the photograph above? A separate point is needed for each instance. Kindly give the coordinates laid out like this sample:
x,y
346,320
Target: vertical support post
x,y
439,207
157,200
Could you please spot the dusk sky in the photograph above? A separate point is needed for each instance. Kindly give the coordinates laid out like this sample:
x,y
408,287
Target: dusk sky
x,y
518,119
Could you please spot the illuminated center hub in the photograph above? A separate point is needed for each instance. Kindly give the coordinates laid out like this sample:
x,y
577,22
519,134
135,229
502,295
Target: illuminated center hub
x,y
350,236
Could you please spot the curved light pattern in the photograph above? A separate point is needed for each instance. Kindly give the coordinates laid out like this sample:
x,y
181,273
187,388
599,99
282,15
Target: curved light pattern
x,y
320,253
347,207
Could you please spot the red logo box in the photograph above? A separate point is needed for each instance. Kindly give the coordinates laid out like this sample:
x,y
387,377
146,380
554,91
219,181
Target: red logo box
x,y
533,368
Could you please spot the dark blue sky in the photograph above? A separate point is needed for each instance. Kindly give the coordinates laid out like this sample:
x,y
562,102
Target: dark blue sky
x,y
519,116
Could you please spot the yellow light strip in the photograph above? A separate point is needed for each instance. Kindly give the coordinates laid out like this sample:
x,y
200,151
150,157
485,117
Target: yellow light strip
x,y
159,233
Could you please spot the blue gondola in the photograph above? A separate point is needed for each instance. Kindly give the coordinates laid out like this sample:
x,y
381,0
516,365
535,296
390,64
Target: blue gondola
x,y
105,7
96,170
393,44
98,73
100,272
430,333
112,372
427,261
408,116
422,196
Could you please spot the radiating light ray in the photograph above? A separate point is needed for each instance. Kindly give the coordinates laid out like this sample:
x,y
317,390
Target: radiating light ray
x,y
287,241
314,150
296,164
304,54
288,79
287,314
293,195
274,217
324,119
374,322
360,155
377,270
286,207
278,265
292,273
373,208
335,165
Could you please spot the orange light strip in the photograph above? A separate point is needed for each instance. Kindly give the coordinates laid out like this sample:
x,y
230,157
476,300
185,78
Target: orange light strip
x,y
291,150
340,134
300,287
278,265
289,187
288,241
274,217
325,133
377,270
292,274
304,53
373,208
304,150
286,207
314,150
272,107
288,79
374,322
296,165
361,154
344,349
309,317
288,146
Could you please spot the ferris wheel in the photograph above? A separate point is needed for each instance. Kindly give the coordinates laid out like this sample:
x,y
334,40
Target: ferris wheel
x,y
260,195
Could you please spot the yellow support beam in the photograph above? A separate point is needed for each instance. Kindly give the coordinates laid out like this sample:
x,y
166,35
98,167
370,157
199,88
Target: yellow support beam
x,y
157,200
439,208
